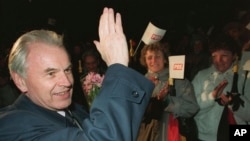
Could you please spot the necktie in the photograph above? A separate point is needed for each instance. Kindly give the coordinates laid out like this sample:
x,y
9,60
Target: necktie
x,y
72,120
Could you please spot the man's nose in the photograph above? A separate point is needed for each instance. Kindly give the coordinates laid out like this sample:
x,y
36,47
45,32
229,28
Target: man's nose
x,y
65,79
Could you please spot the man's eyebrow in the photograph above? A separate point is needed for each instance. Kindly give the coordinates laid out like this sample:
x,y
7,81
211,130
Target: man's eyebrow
x,y
50,69
54,69
69,67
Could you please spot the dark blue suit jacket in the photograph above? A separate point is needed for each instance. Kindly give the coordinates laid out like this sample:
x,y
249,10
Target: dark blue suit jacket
x,y
115,115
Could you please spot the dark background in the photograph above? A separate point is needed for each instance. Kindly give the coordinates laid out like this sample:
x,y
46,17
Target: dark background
x,y
78,19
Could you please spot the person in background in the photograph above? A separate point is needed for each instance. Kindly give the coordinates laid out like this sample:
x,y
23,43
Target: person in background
x,y
240,33
213,86
198,58
235,30
41,68
93,70
159,116
92,61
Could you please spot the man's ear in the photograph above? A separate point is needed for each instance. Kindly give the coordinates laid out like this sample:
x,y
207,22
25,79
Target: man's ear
x,y
19,81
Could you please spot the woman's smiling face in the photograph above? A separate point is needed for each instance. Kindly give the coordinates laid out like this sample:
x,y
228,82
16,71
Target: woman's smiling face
x,y
222,60
155,61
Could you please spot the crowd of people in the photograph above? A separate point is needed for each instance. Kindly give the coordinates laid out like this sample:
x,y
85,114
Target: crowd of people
x,y
41,83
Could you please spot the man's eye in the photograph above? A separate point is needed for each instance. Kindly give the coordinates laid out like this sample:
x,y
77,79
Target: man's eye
x,y
69,70
51,73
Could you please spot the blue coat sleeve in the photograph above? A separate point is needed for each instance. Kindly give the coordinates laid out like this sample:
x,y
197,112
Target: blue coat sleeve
x,y
117,111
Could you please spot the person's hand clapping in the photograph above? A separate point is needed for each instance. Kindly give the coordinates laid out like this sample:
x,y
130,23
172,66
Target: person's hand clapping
x,y
217,92
221,98
112,45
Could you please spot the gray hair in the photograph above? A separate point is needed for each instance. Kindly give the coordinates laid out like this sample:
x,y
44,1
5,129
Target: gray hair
x,y
17,59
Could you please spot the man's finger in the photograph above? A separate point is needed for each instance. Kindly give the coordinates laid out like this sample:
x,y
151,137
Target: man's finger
x,y
118,23
111,21
103,24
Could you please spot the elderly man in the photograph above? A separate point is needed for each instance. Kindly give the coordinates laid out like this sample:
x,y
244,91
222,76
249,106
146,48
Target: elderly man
x,y
41,69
